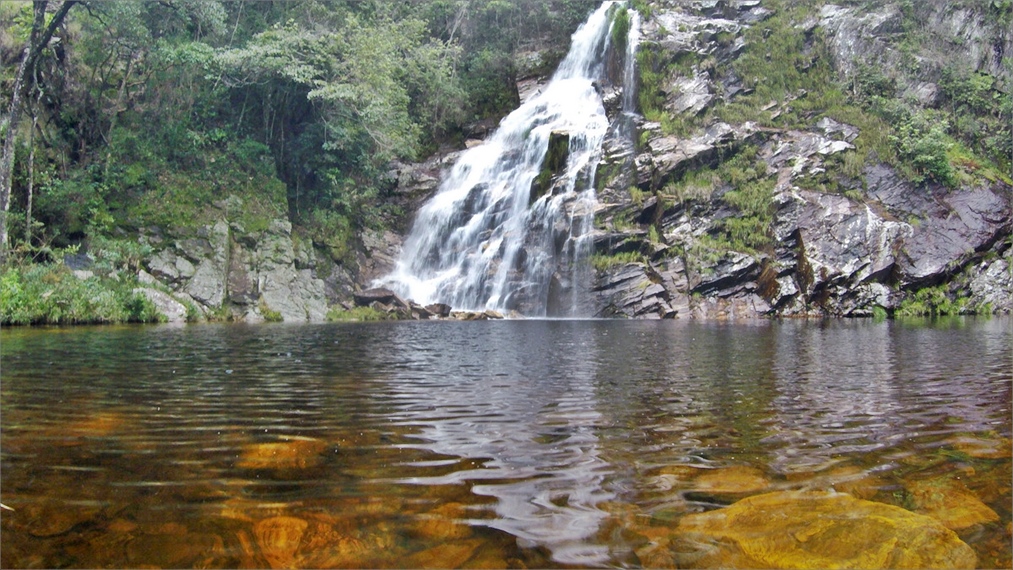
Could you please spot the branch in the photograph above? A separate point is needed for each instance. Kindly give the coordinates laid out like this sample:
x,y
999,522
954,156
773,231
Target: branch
x,y
47,34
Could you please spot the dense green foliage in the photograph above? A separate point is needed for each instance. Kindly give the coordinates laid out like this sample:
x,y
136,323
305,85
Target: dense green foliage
x,y
148,113
52,294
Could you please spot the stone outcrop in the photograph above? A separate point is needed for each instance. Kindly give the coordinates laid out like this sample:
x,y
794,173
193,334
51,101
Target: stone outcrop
x,y
224,270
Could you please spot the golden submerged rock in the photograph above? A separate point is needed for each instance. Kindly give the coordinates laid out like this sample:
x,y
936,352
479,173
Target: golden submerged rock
x,y
951,503
735,480
290,453
816,529
279,538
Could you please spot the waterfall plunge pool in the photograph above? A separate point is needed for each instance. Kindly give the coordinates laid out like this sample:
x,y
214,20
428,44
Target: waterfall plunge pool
x,y
486,444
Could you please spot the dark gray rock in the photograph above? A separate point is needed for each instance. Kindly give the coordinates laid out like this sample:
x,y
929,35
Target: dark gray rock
x,y
379,295
78,261
669,156
733,274
441,310
690,95
950,227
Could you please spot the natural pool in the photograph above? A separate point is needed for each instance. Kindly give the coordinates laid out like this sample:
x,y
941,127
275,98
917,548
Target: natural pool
x,y
493,444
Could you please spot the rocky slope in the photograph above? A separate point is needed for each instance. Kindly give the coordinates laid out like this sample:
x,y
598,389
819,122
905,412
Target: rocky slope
x,y
873,242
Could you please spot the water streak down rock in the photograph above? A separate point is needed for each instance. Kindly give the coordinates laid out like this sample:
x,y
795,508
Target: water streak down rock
x,y
508,227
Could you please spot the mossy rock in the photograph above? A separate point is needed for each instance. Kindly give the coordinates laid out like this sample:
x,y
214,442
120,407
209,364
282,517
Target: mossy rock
x,y
552,164
816,529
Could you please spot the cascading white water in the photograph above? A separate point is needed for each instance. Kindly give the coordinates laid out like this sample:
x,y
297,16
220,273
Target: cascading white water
x,y
486,240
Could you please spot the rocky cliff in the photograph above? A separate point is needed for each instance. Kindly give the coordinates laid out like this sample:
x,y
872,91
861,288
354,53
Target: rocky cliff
x,y
791,213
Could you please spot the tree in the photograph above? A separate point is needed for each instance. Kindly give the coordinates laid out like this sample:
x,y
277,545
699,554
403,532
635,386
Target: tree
x,y
356,91
38,40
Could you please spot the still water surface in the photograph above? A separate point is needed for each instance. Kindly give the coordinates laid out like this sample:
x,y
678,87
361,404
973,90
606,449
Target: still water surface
x,y
477,444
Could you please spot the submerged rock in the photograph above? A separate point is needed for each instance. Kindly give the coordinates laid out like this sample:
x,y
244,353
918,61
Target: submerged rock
x,y
951,503
735,480
279,538
292,453
816,529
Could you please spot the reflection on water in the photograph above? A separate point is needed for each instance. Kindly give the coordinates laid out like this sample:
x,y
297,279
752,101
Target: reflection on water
x,y
482,444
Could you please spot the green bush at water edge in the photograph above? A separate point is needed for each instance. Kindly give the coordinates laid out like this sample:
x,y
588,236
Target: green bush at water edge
x,y
52,294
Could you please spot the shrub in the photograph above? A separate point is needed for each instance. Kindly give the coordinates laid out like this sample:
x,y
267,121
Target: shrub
x,y
358,314
605,262
51,294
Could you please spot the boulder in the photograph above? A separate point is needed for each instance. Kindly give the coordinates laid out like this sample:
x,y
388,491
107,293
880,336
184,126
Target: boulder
x,y
378,295
816,529
207,284
834,242
441,310
382,249
634,290
670,156
951,503
690,95
552,164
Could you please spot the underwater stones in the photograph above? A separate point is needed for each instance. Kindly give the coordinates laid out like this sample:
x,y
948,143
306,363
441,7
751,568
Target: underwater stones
x,y
951,503
172,545
442,523
734,480
50,518
854,481
449,555
338,552
816,529
102,424
1001,448
278,539
291,453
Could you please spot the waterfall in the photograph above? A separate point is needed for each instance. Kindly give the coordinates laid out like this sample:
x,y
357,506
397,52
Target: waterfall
x,y
509,228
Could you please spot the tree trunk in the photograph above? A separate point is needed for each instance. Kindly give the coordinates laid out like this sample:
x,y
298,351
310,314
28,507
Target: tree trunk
x,y
31,180
37,41
7,156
